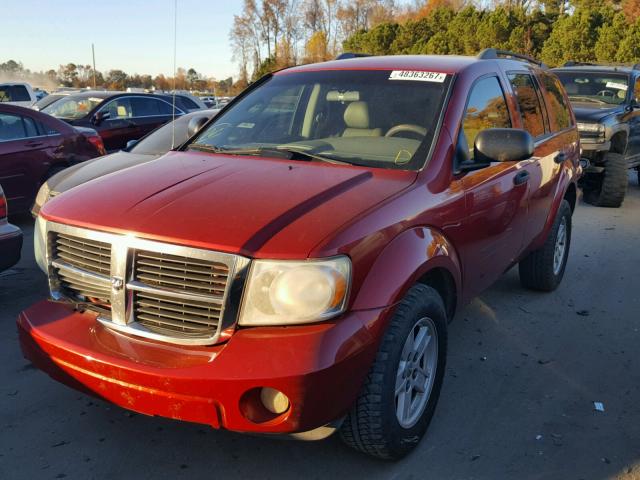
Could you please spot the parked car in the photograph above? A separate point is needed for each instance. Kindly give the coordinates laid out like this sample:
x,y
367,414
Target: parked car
x,y
33,147
17,93
153,146
606,102
296,273
10,237
118,117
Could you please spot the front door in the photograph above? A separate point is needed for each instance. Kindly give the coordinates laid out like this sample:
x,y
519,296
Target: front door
x,y
496,196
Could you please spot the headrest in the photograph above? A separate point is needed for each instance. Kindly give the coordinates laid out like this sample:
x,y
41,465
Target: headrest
x,y
356,115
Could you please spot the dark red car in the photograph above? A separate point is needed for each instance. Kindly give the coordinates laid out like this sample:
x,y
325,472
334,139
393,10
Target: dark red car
x,y
34,146
118,117
10,237
293,268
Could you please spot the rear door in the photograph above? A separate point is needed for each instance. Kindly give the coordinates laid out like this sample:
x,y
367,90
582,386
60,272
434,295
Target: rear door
x,y
149,113
22,155
496,196
633,144
557,146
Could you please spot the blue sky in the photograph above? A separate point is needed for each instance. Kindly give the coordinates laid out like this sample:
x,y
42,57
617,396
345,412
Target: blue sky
x,y
133,35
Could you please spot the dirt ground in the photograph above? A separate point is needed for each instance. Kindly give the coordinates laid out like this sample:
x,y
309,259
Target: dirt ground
x,y
523,374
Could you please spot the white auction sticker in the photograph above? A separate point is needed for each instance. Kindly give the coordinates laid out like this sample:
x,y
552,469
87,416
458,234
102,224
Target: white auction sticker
x,y
619,86
417,75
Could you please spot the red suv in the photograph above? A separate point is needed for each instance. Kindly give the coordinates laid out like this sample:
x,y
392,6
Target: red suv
x,y
293,268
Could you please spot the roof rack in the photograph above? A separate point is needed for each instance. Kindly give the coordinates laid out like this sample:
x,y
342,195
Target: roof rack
x,y
571,63
495,53
345,55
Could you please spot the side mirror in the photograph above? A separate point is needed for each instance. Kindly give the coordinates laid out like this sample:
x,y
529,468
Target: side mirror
x,y
99,117
130,145
503,145
195,124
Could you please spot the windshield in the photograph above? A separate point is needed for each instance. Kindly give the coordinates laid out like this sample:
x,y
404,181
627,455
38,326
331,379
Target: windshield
x,y
598,88
161,140
378,118
72,107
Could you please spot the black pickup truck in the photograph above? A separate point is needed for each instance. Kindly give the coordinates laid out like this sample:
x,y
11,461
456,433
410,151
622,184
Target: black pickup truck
x,y
606,102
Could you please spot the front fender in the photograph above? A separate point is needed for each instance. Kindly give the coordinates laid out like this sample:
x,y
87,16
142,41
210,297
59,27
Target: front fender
x,y
408,257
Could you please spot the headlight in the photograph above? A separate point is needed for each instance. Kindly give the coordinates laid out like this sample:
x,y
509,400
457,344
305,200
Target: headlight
x,y
42,197
40,243
294,292
591,128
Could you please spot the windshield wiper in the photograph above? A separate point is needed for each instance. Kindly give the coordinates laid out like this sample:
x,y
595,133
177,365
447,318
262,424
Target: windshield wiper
x,y
204,147
286,152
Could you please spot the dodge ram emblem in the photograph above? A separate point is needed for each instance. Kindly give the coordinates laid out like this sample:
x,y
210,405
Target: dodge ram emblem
x,y
117,283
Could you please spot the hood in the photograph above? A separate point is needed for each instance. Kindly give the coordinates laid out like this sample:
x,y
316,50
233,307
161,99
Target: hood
x,y
594,114
259,207
97,167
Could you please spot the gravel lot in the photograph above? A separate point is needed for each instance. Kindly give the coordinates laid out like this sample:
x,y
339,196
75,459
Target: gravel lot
x,y
524,370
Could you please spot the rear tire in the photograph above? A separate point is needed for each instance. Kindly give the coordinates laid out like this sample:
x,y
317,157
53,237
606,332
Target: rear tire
x,y
608,189
543,269
387,421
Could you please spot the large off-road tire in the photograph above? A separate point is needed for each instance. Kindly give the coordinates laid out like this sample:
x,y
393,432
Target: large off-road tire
x,y
391,413
543,269
608,189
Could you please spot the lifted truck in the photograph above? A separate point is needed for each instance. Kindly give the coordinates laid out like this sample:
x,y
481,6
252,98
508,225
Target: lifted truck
x,y
606,102
293,267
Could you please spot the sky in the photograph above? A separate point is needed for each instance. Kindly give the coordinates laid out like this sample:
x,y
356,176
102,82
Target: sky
x,y
132,35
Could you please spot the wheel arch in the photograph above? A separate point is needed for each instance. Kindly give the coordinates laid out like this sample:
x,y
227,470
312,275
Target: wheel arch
x,y
419,255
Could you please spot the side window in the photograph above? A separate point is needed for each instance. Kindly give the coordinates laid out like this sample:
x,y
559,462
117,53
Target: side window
x,y
30,127
559,116
528,103
118,108
636,91
11,127
46,129
19,93
149,107
486,108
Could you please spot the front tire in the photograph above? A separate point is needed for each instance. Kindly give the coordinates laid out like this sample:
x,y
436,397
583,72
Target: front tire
x,y
400,393
609,188
543,269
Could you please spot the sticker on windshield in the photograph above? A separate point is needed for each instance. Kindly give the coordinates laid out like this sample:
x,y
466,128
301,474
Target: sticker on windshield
x,y
418,76
246,125
619,86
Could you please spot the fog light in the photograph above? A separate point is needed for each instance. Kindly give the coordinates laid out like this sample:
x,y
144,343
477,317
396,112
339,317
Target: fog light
x,y
274,400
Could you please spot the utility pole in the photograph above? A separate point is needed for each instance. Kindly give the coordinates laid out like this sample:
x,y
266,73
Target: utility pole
x,y
93,54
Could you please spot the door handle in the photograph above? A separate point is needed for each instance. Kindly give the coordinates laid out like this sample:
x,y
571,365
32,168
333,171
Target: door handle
x,y
34,144
560,157
521,177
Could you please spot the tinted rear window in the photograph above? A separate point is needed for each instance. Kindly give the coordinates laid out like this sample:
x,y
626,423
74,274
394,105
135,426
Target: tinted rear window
x,y
559,116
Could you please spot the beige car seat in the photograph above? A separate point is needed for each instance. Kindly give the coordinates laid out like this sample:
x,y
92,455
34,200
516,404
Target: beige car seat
x,y
356,118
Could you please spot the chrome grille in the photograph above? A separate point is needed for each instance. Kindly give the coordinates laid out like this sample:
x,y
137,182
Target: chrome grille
x,y
89,255
82,269
183,273
196,313
156,290
164,314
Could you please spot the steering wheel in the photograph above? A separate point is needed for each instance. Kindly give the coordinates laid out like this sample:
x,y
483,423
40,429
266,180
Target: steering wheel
x,y
605,93
406,127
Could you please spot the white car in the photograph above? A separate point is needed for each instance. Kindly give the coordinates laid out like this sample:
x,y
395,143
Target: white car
x,y
17,93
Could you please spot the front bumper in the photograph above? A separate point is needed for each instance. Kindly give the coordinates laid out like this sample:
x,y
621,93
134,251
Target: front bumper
x,y
589,145
10,245
319,367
